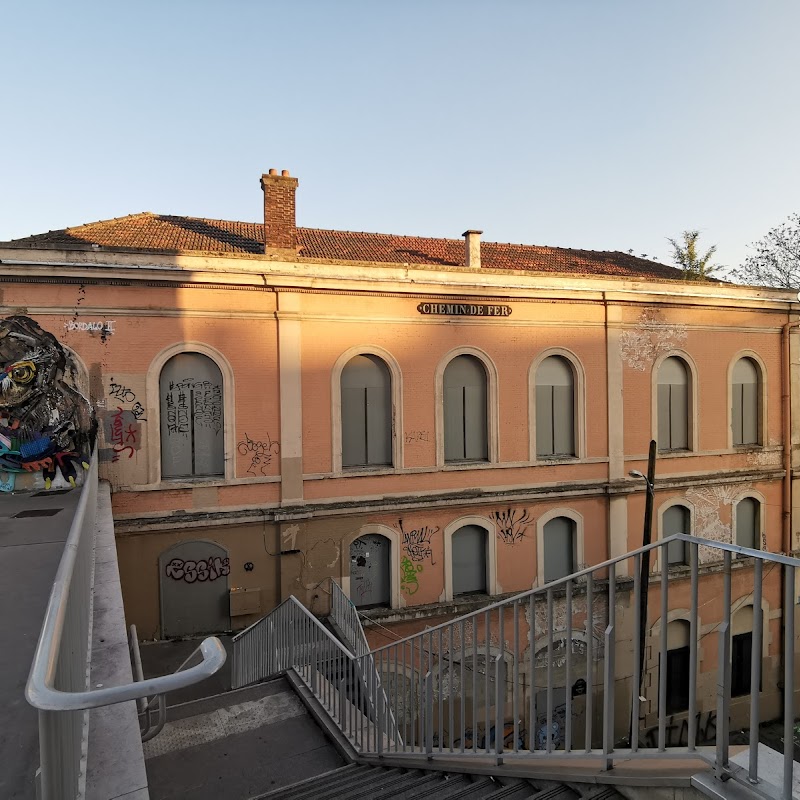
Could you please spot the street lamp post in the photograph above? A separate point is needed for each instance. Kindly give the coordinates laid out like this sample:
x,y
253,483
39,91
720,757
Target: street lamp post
x,y
644,575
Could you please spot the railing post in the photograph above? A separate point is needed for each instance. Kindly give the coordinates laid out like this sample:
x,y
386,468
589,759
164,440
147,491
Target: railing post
x,y
724,672
788,682
609,673
428,715
755,670
499,707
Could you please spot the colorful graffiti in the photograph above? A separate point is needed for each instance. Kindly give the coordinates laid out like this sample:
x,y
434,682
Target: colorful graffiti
x,y
409,583
46,425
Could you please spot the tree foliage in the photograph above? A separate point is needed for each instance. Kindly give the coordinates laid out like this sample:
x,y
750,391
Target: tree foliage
x,y
776,260
685,254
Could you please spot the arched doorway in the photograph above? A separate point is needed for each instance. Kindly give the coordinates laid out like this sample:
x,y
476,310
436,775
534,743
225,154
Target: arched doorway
x,y
370,581
194,589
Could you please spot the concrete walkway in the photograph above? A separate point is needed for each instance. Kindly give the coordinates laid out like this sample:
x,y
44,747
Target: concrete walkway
x,y
30,551
237,745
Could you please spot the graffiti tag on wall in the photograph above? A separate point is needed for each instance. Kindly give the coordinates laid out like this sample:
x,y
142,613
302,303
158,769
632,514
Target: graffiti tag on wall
x,y
191,402
261,453
127,395
408,575
208,569
677,731
101,326
123,432
46,425
511,524
417,541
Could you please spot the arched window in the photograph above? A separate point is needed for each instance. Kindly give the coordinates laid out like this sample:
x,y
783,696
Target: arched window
x,y
366,387
370,571
555,408
465,410
192,417
678,655
677,519
748,522
469,560
673,405
559,548
745,410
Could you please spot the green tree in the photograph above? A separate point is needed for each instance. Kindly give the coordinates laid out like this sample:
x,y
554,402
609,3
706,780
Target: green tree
x,y
685,254
776,261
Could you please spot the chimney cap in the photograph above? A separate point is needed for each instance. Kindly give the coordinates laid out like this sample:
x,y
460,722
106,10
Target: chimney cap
x,y
273,172
285,173
472,232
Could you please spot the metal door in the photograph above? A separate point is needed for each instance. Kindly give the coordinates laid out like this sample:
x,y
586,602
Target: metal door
x,y
370,584
194,589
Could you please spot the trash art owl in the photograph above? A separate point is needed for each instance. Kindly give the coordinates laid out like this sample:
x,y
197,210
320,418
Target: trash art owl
x,y
45,424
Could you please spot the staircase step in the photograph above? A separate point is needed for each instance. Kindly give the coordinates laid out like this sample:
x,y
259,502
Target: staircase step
x,y
514,790
479,787
558,792
353,786
310,786
410,789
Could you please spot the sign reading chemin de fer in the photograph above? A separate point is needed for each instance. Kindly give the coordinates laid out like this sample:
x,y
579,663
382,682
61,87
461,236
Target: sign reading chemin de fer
x,y
464,309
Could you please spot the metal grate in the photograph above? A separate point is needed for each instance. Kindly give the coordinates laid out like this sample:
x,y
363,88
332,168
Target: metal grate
x,y
51,492
37,512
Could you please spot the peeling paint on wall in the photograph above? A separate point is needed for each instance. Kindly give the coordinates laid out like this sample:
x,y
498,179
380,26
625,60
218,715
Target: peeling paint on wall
x,y
709,502
651,337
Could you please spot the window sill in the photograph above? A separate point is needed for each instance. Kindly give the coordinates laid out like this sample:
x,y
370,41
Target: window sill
x,y
546,461
677,453
196,483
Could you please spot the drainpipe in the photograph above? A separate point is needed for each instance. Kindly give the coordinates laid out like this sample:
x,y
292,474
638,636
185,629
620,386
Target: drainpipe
x,y
786,532
786,398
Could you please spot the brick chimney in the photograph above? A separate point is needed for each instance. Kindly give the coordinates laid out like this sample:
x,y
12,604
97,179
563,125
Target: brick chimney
x,y
280,227
473,243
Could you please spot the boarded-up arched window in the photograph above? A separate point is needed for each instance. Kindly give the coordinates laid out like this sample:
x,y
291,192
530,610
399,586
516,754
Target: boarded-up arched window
x,y
192,417
465,412
745,402
469,560
366,412
673,405
748,522
559,548
555,408
677,519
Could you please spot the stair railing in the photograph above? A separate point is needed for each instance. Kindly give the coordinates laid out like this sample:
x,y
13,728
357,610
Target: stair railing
x,y
555,672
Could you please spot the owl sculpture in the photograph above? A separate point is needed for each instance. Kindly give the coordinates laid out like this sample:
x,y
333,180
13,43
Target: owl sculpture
x,y
45,424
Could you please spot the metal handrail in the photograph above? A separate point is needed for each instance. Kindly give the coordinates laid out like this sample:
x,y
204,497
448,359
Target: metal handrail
x,y
764,555
58,682
345,615
40,691
44,697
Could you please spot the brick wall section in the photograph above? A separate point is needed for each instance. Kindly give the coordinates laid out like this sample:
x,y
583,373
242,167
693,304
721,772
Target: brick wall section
x,y
280,226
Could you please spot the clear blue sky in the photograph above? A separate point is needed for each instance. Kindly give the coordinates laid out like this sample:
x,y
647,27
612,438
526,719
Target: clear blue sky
x,y
577,123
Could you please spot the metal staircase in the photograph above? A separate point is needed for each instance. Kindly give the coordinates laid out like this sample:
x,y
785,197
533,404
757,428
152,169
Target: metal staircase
x,y
438,700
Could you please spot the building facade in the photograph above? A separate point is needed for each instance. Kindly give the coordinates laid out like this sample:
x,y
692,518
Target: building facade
x,y
429,422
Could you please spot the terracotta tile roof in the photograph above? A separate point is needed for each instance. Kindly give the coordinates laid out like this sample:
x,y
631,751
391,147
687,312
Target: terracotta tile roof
x,y
161,233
